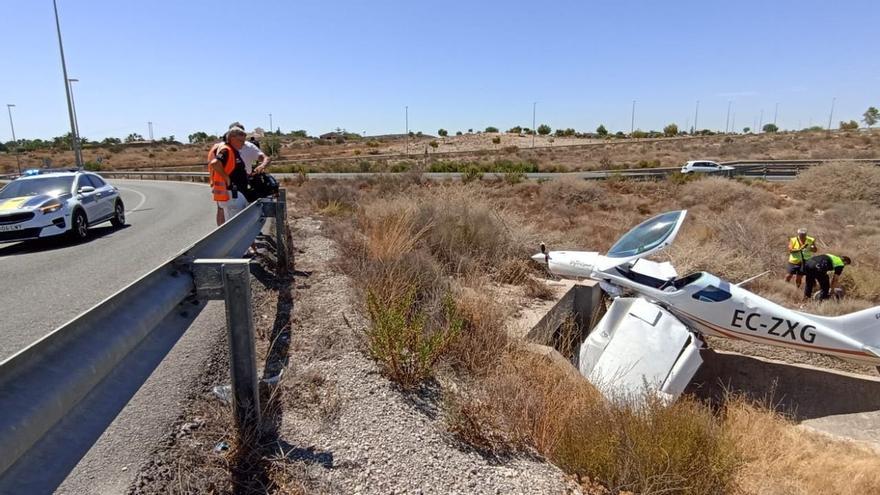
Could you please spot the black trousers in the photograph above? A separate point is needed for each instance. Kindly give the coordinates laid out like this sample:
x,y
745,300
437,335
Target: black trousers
x,y
824,284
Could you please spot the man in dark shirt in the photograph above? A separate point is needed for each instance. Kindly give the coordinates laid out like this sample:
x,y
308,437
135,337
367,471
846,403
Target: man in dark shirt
x,y
817,268
237,179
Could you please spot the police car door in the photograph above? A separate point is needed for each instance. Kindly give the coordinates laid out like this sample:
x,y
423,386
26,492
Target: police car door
x,y
106,196
88,198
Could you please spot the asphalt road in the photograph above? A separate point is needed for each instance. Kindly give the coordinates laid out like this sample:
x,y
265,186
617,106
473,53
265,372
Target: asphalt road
x,y
46,284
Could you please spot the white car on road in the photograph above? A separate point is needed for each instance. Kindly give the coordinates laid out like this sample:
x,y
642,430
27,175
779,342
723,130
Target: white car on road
x,y
55,203
704,166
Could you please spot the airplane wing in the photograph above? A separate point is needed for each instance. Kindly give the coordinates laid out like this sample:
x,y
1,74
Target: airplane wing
x,y
639,349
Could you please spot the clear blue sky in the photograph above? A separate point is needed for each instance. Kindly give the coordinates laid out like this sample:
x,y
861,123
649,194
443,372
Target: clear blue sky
x,y
197,65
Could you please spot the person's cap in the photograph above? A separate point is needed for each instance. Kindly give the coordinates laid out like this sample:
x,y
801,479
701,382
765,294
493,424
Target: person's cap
x,y
802,231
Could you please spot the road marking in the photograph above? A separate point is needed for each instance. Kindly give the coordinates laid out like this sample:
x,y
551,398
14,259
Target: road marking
x,y
142,195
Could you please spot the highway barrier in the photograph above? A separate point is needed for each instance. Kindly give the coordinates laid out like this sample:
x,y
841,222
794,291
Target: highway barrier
x,y
58,395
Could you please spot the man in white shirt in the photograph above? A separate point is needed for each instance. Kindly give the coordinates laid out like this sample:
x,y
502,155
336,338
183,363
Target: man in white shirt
x,y
252,155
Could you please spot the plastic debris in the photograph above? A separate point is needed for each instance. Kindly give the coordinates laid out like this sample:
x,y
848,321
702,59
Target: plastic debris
x,y
221,447
223,392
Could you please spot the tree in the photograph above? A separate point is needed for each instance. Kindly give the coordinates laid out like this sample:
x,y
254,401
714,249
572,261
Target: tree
x,y
849,126
771,128
601,130
194,138
871,116
133,137
459,133
491,129
515,130
3,147
434,144
747,130
110,141
670,130
544,129
442,132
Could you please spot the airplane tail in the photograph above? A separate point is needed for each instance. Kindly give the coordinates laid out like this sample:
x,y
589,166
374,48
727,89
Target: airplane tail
x,y
863,326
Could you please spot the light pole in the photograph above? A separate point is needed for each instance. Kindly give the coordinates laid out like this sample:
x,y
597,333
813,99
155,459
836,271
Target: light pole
x,y
775,113
14,141
73,104
831,114
761,122
727,121
77,154
406,124
632,119
534,129
696,114
271,129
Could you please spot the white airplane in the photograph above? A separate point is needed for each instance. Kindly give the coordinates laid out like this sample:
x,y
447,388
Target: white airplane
x,y
652,341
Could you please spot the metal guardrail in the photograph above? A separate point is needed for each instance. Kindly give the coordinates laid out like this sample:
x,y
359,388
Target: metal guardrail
x,y
59,394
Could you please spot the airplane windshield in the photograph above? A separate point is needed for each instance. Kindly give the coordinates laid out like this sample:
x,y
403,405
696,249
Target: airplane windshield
x,y
646,236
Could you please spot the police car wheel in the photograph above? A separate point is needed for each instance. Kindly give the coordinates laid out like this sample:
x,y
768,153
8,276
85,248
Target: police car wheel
x,y
118,219
79,226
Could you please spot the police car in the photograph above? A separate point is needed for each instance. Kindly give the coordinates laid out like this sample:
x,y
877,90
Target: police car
x,y
53,203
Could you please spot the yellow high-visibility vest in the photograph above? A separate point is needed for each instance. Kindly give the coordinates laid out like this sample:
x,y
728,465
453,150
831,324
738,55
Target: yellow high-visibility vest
x,y
798,253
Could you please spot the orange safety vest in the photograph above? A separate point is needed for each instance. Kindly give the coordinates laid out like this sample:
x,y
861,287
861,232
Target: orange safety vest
x,y
218,185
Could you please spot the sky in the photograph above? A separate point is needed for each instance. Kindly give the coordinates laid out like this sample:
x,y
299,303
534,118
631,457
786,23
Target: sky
x,y
198,65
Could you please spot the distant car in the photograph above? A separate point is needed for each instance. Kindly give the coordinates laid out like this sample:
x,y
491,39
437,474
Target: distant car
x,y
704,166
56,203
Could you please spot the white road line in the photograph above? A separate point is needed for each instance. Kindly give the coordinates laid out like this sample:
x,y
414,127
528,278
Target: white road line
x,y
142,195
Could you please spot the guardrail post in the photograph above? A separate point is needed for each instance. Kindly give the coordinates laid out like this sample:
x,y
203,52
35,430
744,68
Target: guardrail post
x,y
229,279
281,232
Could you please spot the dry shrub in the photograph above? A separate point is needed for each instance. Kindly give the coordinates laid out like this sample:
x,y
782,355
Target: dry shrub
x,y
828,184
332,196
572,192
537,289
654,449
779,458
483,338
720,194
514,271
464,234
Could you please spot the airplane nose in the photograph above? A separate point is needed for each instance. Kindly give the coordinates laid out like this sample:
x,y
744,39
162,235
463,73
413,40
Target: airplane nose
x,y
540,258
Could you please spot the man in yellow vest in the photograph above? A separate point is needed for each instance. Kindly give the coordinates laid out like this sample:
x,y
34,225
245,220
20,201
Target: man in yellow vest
x,y
817,268
800,249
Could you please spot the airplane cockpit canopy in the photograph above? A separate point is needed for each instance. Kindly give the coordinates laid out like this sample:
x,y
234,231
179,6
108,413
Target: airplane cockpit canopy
x,y
649,236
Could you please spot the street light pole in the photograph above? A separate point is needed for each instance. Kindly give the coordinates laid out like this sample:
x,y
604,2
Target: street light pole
x,y
775,113
727,121
14,140
696,114
77,154
73,105
632,119
534,129
406,118
830,115
271,129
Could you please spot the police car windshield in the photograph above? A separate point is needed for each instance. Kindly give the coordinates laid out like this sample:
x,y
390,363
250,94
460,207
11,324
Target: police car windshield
x,y
646,236
33,187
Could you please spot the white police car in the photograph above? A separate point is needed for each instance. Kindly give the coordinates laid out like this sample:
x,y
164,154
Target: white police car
x,y
55,203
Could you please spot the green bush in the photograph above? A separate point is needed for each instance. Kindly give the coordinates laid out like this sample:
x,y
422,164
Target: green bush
x,y
92,166
544,129
471,174
404,341
601,131
491,129
670,130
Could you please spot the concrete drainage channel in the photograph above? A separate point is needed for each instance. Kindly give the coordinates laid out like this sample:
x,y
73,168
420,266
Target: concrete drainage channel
x,y
837,403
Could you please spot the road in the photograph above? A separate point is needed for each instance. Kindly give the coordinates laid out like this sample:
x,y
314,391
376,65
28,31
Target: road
x,y
48,283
